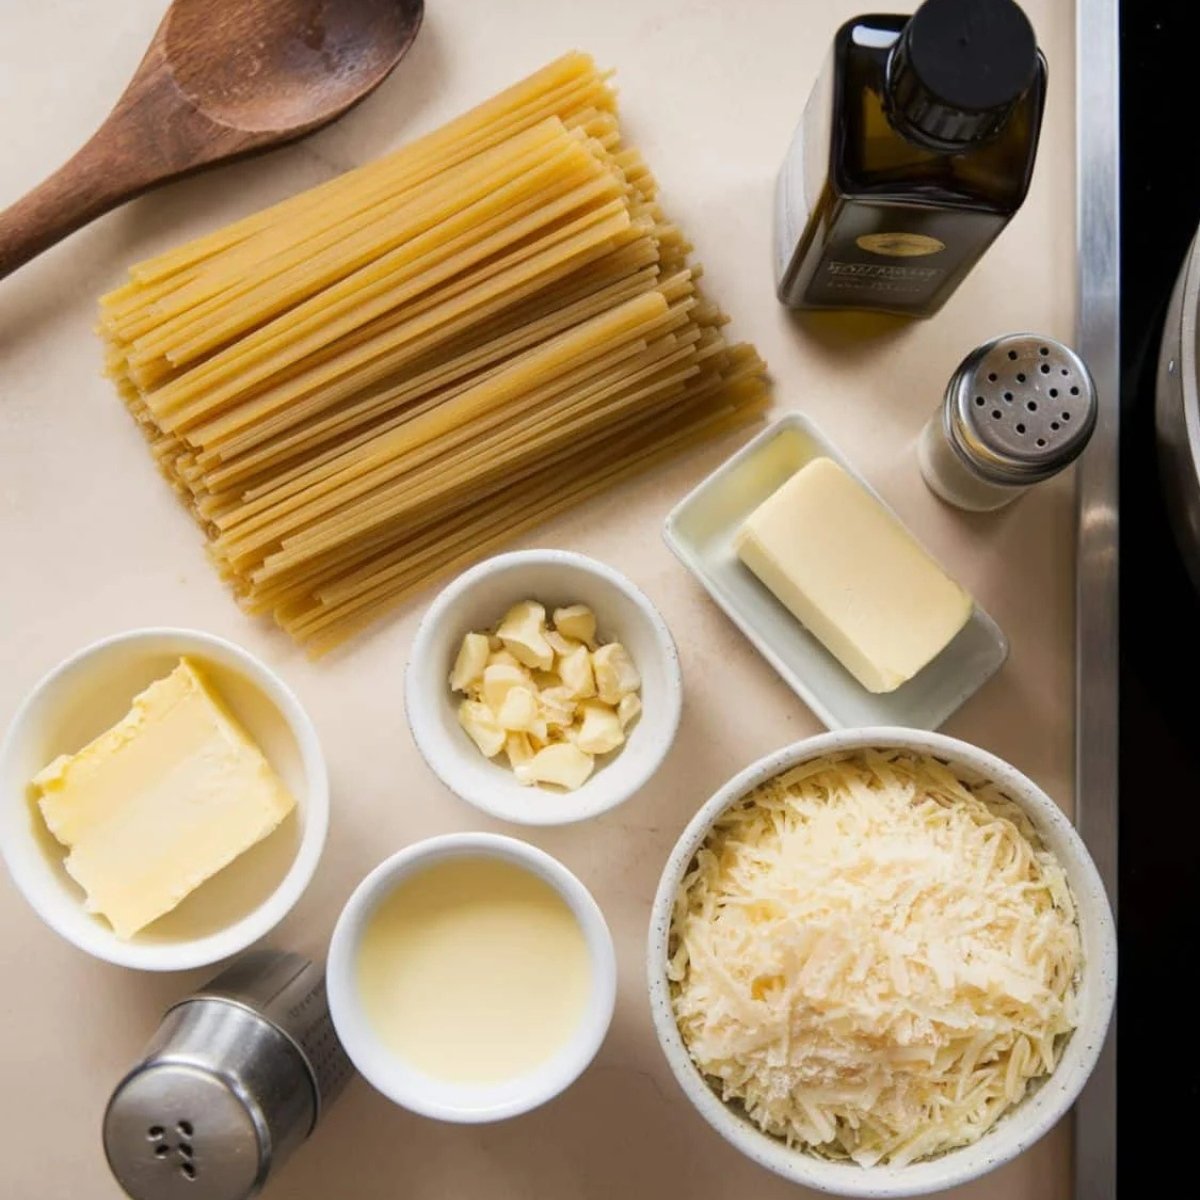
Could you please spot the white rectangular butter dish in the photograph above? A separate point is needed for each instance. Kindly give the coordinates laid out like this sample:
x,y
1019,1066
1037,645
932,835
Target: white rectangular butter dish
x,y
700,531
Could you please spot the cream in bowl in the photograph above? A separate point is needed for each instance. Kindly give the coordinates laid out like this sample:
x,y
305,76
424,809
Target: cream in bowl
x,y
543,687
163,799
471,977
881,963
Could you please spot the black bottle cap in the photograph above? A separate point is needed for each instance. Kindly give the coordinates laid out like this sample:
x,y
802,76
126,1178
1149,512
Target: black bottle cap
x,y
958,68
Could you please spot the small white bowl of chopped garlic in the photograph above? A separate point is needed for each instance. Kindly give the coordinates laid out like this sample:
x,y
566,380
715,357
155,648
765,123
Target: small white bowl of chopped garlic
x,y
881,962
543,687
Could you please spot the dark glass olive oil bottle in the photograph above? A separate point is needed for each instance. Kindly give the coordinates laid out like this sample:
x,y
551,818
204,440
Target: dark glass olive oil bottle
x,y
915,150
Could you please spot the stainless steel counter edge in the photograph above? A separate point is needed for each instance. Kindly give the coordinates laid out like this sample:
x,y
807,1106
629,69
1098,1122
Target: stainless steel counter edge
x,y
1097,122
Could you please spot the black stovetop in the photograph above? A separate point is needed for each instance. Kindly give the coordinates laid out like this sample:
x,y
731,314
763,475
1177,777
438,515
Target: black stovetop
x,y
1159,881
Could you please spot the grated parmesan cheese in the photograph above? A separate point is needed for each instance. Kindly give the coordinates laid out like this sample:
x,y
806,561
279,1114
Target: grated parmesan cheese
x,y
874,959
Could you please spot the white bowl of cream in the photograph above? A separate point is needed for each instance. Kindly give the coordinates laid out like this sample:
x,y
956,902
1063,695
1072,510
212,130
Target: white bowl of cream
x,y
471,977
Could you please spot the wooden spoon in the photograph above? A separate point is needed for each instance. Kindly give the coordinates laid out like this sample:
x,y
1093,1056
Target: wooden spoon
x,y
221,79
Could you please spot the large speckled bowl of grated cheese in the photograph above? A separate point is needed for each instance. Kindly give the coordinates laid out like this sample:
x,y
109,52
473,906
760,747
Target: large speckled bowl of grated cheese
x,y
881,962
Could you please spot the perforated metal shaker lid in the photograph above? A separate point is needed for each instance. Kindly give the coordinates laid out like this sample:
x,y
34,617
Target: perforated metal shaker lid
x,y
1020,408
233,1080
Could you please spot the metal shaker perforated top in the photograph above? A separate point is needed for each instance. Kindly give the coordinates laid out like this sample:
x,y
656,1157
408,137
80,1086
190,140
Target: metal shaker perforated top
x,y
235,1078
1019,409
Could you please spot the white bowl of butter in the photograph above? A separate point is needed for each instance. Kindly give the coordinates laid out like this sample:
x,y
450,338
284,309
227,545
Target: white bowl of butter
x,y
471,977
269,858
477,600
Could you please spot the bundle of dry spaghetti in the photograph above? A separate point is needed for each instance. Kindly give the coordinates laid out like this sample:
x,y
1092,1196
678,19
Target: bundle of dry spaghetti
x,y
384,376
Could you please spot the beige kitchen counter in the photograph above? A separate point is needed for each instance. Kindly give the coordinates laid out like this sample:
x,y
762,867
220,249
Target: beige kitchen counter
x,y
92,542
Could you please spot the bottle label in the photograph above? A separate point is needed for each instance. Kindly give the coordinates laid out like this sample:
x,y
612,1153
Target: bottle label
x,y
840,278
899,245
894,257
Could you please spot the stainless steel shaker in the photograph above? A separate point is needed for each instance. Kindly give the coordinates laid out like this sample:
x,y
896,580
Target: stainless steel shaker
x,y
236,1077
1017,410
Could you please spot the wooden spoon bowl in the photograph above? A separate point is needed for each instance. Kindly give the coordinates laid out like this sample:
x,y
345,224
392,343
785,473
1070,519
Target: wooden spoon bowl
x,y
221,79
319,57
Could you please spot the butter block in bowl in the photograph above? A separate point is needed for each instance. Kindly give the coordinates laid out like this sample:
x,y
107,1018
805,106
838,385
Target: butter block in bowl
x,y
852,574
163,799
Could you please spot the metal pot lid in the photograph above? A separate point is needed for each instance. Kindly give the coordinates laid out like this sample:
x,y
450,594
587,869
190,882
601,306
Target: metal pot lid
x,y
1177,411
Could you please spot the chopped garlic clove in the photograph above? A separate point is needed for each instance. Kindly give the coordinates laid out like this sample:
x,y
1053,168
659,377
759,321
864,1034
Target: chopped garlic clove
x,y
600,730
531,691
557,705
498,680
469,665
519,709
576,672
481,726
518,749
560,763
561,644
616,675
523,633
576,621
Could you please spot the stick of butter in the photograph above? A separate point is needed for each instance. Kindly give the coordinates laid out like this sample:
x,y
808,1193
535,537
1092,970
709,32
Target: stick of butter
x,y
160,802
853,575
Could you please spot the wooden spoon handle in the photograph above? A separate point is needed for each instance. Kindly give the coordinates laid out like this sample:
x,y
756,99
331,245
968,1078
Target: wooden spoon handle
x,y
95,180
153,134
81,190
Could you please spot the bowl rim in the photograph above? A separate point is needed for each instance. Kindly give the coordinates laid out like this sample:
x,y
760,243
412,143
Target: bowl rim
x,y
956,1166
493,801
101,942
353,1026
